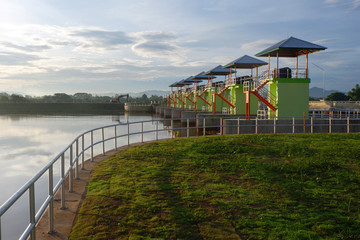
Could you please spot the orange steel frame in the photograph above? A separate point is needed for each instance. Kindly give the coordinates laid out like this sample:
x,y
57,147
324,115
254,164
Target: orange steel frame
x,y
181,102
222,97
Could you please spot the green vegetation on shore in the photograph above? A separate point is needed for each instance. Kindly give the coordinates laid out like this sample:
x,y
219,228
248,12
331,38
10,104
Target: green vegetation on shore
x,y
227,187
76,98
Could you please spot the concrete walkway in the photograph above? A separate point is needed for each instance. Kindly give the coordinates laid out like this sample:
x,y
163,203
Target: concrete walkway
x,y
65,219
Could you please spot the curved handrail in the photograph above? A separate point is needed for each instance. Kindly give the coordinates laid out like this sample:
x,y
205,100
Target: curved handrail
x,y
74,162
75,156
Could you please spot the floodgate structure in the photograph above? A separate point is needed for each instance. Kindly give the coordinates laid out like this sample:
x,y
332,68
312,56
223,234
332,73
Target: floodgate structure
x,y
273,93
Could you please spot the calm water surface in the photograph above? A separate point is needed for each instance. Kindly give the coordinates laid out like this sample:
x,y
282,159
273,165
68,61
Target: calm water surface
x,y
29,142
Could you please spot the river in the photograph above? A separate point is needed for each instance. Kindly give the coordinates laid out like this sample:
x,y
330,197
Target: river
x,y
29,142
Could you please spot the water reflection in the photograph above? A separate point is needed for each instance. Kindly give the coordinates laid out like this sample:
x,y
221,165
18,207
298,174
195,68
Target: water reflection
x,y
29,142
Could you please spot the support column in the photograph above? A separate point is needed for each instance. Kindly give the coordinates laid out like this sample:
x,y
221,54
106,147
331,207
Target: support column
x,y
214,103
247,110
269,66
307,64
277,64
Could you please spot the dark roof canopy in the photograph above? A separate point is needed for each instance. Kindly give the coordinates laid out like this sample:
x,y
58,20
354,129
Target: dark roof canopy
x,y
191,80
245,62
177,84
200,76
219,70
291,47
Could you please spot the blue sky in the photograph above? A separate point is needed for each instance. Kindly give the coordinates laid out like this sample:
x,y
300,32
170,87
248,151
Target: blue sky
x,y
118,46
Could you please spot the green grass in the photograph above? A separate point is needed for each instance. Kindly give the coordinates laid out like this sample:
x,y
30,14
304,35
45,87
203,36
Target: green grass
x,y
233,187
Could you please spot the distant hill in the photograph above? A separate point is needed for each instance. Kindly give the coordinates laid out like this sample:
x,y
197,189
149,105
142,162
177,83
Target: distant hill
x,y
148,93
318,92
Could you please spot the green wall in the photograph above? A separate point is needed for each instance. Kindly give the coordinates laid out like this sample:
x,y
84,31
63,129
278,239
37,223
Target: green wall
x,y
292,96
238,98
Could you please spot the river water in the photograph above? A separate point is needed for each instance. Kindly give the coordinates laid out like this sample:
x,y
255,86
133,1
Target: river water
x,y
29,142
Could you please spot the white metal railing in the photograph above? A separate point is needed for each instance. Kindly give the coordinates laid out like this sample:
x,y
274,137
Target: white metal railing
x,y
74,153
283,73
263,91
69,161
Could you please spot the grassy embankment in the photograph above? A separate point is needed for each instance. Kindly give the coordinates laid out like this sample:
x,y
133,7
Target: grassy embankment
x,y
235,187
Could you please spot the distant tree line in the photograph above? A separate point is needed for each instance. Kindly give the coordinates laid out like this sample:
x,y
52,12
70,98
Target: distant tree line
x,y
76,98
352,95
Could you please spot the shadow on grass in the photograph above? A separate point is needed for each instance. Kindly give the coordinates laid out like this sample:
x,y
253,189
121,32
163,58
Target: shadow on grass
x,y
182,215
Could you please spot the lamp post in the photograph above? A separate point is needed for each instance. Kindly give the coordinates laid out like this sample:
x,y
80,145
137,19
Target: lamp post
x,y
323,79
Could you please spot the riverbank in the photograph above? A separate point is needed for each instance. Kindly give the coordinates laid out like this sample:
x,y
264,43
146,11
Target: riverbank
x,y
233,187
62,108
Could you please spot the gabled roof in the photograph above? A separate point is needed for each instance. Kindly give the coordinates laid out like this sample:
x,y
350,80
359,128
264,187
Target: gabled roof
x,y
290,47
219,70
245,62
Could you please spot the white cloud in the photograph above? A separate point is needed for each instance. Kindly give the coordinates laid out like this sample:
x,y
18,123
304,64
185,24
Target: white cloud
x,y
98,38
159,45
257,45
334,64
348,4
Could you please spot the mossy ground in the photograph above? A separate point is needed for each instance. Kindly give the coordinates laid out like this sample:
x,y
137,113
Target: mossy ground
x,y
232,187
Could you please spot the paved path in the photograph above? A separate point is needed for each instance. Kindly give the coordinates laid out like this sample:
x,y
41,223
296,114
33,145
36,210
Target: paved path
x,y
64,219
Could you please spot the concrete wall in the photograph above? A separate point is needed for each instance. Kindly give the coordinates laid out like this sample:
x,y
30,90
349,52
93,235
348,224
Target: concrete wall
x,y
231,126
325,105
138,108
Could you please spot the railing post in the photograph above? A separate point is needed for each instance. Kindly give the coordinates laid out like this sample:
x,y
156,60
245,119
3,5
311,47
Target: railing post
x,y
221,126
204,127
115,138
312,125
71,169
77,160
293,125
348,124
157,130
63,184
187,127
51,203
329,124
142,132
103,140
83,154
128,133
238,125
256,125
32,210
274,125
92,145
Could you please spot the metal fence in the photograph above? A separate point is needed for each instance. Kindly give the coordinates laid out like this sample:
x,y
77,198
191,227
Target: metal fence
x,y
73,156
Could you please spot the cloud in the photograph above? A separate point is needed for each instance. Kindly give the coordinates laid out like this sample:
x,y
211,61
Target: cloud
x,y
257,45
26,48
103,39
159,45
14,58
326,41
348,4
335,64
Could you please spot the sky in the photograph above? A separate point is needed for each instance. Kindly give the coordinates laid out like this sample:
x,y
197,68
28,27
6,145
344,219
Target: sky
x,y
118,46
